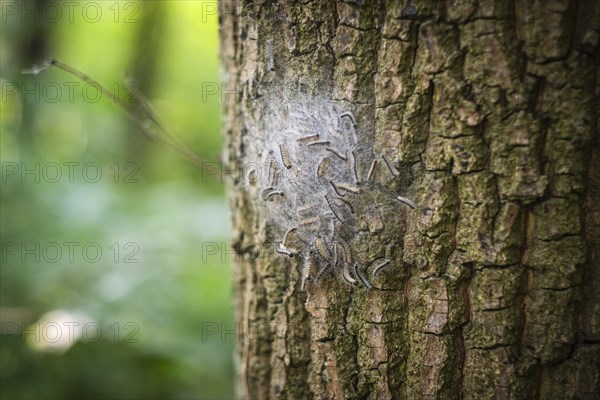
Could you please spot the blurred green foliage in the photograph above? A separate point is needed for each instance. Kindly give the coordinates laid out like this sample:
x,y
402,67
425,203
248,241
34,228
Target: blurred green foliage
x,y
158,297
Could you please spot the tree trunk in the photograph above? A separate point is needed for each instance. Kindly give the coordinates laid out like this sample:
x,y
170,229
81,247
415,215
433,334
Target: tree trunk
x,y
487,115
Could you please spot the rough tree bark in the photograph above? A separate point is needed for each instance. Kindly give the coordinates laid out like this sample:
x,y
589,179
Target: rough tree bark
x,y
489,112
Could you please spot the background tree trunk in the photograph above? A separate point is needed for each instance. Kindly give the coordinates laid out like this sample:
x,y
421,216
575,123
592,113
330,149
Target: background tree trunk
x,y
489,112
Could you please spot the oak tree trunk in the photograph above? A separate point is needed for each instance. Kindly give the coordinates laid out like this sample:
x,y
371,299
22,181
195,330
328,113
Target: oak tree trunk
x,y
488,111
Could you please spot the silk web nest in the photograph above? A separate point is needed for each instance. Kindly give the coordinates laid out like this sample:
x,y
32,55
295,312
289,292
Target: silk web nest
x,y
317,187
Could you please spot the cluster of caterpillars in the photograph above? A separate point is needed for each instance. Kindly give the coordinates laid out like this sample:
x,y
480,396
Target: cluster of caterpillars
x,y
312,180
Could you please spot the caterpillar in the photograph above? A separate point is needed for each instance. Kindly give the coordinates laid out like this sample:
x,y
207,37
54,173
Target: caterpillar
x,y
285,156
322,249
320,143
371,171
334,151
380,267
270,61
347,187
325,162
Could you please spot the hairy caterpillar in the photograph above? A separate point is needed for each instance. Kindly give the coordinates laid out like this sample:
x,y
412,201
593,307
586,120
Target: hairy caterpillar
x,y
334,151
310,221
380,267
347,187
270,61
308,138
393,170
371,171
320,171
354,169
322,249
320,143
332,208
285,156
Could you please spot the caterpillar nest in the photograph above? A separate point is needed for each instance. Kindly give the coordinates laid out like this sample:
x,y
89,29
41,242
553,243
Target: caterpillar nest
x,y
317,186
